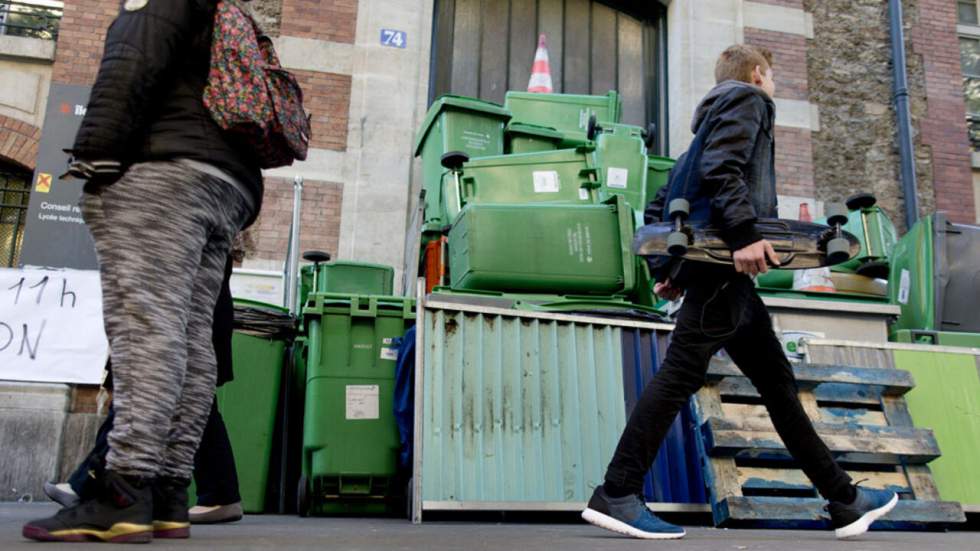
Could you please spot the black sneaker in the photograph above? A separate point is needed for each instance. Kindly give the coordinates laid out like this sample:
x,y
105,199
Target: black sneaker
x,y
170,519
852,520
628,516
121,513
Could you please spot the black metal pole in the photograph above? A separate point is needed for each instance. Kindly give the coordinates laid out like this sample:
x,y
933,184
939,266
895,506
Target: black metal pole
x,y
901,102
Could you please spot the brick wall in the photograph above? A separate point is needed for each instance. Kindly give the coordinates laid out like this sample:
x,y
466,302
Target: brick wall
x,y
320,219
326,97
789,61
80,40
18,141
794,162
331,20
933,36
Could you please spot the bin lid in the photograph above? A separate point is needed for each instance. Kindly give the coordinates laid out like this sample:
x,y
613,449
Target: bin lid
x,y
553,156
457,103
610,98
265,320
662,164
534,130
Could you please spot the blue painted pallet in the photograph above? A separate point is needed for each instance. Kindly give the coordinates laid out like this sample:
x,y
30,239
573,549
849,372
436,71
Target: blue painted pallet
x,y
861,415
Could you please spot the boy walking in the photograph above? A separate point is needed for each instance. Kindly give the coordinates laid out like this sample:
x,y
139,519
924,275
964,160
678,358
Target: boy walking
x,y
728,176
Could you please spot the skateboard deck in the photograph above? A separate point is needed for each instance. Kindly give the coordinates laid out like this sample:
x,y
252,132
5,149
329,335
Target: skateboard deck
x,y
799,245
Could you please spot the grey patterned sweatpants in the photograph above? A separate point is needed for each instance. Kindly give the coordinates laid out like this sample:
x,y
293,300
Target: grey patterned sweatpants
x,y
162,234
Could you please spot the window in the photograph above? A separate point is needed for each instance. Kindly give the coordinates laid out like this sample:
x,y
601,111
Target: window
x,y
15,190
31,18
968,15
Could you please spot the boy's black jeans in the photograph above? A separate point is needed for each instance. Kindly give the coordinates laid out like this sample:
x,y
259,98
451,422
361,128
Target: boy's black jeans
x,y
724,312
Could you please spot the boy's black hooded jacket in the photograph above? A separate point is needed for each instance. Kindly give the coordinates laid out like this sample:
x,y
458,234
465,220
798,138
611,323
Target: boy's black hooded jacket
x,y
147,102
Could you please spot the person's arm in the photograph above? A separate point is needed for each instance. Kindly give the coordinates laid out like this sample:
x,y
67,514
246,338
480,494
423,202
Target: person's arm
x,y
140,49
655,210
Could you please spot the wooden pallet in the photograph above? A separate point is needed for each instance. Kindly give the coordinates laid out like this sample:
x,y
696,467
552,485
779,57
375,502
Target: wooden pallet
x,y
862,417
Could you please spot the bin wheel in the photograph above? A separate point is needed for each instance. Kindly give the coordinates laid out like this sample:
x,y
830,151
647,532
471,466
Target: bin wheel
x,y
836,214
303,497
838,251
679,207
860,201
454,160
650,136
592,130
677,243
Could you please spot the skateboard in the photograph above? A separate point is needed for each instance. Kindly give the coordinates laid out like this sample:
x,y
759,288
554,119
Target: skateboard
x,y
799,245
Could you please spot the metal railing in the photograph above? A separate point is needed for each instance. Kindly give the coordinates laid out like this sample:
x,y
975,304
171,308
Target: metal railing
x,y
30,19
973,127
15,195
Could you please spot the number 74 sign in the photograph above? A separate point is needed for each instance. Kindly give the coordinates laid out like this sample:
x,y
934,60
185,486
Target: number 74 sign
x,y
393,38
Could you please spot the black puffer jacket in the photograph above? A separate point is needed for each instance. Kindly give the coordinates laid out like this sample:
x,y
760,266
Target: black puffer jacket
x,y
147,103
728,173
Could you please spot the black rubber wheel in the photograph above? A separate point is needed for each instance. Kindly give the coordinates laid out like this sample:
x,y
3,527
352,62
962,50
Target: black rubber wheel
x,y
679,207
836,214
650,136
303,497
677,243
592,130
877,269
862,200
454,160
838,251
316,256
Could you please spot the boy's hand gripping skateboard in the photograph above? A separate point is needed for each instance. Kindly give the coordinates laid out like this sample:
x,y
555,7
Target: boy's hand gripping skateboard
x,y
798,245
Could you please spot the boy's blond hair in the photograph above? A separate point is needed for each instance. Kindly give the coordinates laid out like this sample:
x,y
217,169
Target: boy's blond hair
x,y
737,62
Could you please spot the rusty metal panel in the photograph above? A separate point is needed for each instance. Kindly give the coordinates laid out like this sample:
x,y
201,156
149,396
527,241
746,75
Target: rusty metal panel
x,y
517,407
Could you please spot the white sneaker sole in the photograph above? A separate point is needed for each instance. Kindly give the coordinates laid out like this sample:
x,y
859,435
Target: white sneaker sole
x,y
861,525
607,522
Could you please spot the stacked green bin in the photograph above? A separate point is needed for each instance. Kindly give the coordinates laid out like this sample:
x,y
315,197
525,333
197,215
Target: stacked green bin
x,y
934,270
562,176
345,277
550,248
938,338
455,123
658,174
530,138
249,403
350,439
566,113
622,161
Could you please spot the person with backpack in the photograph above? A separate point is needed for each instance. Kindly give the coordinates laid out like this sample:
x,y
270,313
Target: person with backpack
x,y
167,188
728,178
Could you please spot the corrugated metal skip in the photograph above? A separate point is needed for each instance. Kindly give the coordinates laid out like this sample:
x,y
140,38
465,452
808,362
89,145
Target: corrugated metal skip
x,y
517,408
676,475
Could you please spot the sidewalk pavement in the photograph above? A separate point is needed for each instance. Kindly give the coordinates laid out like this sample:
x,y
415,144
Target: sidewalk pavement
x,y
357,534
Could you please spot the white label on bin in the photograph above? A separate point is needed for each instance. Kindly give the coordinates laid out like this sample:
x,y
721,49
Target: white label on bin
x,y
389,353
583,194
362,402
904,287
617,177
546,181
388,340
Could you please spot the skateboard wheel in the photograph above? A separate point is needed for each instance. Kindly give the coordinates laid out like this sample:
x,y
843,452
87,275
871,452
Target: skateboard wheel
x,y
838,251
861,201
677,243
592,130
836,214
454,160
679,207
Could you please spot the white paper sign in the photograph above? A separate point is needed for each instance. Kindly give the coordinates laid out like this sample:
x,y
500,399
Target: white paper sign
x,y
546,181
617,177
51,326
362,402
904,287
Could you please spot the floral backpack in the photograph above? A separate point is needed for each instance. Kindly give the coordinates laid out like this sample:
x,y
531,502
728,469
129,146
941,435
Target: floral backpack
x,y
249,93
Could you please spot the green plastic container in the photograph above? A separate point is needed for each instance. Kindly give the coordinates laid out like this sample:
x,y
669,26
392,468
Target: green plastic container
x,y
621,157
546,248
562,176
348,278
249,404
658,174
566,113
946,399
877,235
455,123
350,439
530,138
934,270
939,338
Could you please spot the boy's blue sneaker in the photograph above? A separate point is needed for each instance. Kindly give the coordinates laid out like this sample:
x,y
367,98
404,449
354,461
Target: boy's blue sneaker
x,y
851,520
628,516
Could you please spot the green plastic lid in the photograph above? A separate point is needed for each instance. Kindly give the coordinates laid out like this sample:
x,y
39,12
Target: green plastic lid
x,y
660,163
457,103
534,130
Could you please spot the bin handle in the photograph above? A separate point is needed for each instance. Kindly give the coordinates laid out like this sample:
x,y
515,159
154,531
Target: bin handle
x,y
592,174
932,335
361,305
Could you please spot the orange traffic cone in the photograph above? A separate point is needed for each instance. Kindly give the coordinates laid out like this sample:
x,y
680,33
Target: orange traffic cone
x,y
541,70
